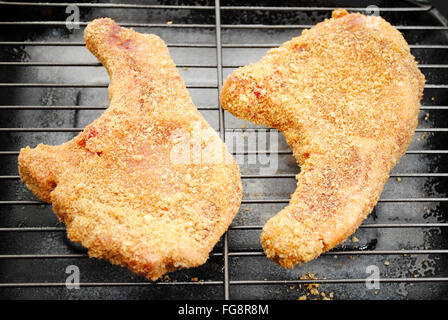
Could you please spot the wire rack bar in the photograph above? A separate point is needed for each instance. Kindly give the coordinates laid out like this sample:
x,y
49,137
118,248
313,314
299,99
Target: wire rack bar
x,y
260,253
284,152
385,200
222,134
271,129
110,5
248,201
329,281
82,43
63,256
293,176
77,108
123,24
111,284
204,25
199,7
259,227
232,282
105,85
16,129
190,45
192,65
308,26
276,8
289,152
367,226
89,64
271,45
58,107
434,108
83,85
349,253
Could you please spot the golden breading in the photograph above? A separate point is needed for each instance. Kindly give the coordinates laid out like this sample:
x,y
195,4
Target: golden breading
x,y
346,95
149,185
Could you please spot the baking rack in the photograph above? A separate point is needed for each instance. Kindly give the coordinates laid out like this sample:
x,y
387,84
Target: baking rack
x,y
222,252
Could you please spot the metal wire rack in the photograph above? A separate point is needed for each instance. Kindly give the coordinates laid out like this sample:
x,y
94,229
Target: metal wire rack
x,y
36,105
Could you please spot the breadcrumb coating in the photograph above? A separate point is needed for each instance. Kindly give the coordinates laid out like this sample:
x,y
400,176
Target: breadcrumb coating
x,y
346,95
149,185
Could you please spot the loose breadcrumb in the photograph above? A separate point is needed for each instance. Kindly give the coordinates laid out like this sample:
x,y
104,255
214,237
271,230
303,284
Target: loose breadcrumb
x,y
314,292
311,289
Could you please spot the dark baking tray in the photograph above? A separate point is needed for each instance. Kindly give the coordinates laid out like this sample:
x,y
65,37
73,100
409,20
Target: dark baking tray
x,y
51,87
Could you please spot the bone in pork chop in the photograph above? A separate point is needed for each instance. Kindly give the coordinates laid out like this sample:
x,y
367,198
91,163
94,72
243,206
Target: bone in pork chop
x,y
346,95
149,185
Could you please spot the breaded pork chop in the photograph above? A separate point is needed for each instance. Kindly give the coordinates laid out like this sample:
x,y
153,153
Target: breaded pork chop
x,y
346,95
149,185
